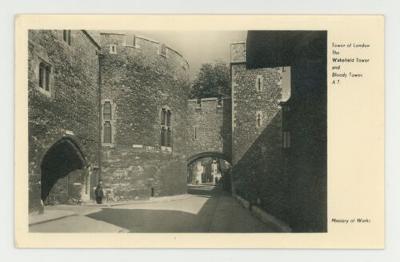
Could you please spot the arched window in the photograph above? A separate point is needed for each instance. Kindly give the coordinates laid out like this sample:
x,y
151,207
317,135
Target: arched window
x,y
166,129
107,133
107,111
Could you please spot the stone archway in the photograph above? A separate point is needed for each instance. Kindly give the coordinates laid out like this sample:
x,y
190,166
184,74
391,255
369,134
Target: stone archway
x,y
61,159
203,163
219,155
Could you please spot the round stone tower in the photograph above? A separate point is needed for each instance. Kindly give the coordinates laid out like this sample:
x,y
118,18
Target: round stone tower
x,y
144,89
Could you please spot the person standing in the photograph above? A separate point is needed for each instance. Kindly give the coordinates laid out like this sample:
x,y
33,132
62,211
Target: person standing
x,y
99,193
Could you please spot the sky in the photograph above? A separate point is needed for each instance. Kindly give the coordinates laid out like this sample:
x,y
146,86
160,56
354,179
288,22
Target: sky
x,y
198,47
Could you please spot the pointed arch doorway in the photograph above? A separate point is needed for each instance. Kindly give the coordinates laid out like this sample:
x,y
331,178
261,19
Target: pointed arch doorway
x,y
62,158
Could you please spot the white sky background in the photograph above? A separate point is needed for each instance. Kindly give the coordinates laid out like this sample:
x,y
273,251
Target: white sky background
x,y
198,47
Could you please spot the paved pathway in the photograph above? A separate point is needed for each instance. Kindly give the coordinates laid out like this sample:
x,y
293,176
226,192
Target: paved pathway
x,y
206,209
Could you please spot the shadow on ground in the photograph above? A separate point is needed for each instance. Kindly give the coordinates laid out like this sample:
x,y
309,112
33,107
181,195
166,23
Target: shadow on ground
x,y
219,213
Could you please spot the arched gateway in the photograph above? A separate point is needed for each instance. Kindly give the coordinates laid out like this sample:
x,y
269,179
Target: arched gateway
x,y
208,168
62,158
218,155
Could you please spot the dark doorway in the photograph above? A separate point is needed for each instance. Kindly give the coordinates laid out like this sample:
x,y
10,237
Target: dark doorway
x,y
60,160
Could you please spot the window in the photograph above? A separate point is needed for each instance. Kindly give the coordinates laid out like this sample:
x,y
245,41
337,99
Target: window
x,y
219,102
44,76
194,133
163,114
166,130
198,103
168,118
163,142
67,36
113,49
259,119
107,122
107,132
163,50
169,137
259,83
286,139
107,111
133,40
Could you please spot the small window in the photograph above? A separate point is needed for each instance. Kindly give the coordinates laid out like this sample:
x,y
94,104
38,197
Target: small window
x,y
259,83
163,50
166,130
163,136
107,111
286,139
168,118
259,119
194,133
169,137
113,49
107,133
67,36
133,40
163,115
44,76
219,102
198,102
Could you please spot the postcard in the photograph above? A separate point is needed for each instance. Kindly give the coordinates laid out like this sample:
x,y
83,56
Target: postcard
x,y
199,131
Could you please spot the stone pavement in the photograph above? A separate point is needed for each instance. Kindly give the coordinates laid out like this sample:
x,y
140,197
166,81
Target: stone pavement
x,y
205,209
49,215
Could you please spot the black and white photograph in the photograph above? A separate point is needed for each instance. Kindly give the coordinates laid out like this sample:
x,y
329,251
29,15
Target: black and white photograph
x,y
162,131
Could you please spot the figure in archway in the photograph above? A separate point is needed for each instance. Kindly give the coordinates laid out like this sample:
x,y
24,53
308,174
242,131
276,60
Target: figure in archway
x,y
215,172
198,172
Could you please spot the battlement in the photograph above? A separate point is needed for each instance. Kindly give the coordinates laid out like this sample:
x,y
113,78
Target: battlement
x,y
151,46
238,52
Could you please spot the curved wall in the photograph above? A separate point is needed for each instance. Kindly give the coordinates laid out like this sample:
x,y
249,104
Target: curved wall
x,y
139,81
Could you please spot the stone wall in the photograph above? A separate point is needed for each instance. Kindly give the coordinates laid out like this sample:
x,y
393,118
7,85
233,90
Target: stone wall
x,y
139,81
253,108
259,168
69,108
206,125
285,177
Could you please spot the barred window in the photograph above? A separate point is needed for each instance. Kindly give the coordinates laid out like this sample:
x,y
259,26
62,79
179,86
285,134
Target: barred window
x,y
107,111
107,133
